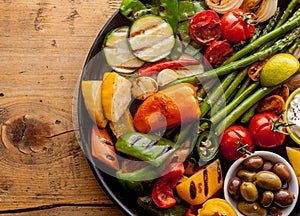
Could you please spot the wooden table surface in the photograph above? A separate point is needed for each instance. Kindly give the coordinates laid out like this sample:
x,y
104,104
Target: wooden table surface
x,y
43,47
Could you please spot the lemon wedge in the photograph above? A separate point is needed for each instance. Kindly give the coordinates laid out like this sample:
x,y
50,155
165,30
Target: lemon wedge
x,y
115,95
278,69
294,155
91,92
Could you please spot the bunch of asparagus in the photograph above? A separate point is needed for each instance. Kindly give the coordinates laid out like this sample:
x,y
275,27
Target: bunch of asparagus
x,y
225,102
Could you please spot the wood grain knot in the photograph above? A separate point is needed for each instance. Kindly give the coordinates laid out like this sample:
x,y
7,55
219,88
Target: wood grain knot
x,y
25,133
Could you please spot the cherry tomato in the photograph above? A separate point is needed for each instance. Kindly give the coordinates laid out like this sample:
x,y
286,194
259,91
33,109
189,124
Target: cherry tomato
x,y
205,27
218,52
162,191
237,26
235,142
267,130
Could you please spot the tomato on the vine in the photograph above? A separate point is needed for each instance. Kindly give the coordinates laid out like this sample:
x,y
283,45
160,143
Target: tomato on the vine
x,y
205,27
267,130
237,25
235,142
218,52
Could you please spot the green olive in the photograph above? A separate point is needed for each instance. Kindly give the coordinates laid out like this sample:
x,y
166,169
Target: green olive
x,y
268,180
249,191
246,175
282,171
266,199
253,163
251,208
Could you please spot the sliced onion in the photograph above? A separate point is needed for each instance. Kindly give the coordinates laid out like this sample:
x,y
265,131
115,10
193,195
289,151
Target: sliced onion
x,y
266,10
222,6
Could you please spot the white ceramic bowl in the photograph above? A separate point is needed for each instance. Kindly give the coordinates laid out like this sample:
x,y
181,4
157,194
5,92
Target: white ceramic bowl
x,y
267,155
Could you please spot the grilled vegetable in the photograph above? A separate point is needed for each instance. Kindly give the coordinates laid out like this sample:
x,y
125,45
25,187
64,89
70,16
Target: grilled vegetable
x,y
151,38
202,185
273,104
168,10
143,87
146,147
207,146
132,8
117,52
222,6
216,206
166,76
157,67
91,91
103,148
123,125
148,205
167,108
115,95
162,191
205,27
255,69
282,91
263,10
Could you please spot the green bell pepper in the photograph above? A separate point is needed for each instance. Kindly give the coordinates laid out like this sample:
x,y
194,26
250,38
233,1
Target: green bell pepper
x,y
150,148
144,174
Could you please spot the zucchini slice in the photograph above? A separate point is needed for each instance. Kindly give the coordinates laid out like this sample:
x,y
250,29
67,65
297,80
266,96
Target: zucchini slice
x,y
151,38
117,52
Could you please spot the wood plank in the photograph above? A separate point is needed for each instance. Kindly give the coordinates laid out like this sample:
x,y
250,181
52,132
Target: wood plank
x,y
72,210
43,47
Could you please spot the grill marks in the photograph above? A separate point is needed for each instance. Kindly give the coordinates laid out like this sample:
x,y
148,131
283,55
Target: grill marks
x,y
143,31
202,187
151,38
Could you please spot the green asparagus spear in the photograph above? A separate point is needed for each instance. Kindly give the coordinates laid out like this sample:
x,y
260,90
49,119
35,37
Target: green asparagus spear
x,y
287,12
241,109
232,105
244,62
289,25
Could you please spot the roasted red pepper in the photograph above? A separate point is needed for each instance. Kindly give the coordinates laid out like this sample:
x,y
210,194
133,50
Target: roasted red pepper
x,y
162,191
103,148
156,67
167,108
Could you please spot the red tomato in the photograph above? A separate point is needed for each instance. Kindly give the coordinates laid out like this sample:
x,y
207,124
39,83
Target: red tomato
x,y
162,191
267,130
218,52
237,26
205,27
235,142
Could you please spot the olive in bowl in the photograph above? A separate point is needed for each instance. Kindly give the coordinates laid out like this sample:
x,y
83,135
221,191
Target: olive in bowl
x,y
260,184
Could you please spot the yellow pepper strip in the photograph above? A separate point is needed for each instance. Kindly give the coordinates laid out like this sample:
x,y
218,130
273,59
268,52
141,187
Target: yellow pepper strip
x,y
216,206
202,185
